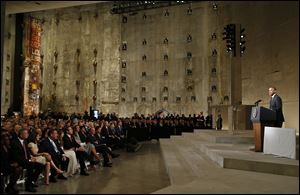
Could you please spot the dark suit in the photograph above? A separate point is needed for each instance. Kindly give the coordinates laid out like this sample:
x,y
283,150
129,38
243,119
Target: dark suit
x,y
105,134
100,147
7,169
219,123
82,136
120,133
69,143
276,105
18,155
46,146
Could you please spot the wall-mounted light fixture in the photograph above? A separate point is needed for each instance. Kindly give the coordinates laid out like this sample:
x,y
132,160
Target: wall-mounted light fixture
x,y
144,42
95,82
53,97
78,51
43,20
167,13
215,6
209,99
166,73
55,54
56,20
226,98
144,57
193,98
189,11
166,57
189,38
96,15
95,52
77,83
214,88
55,68
166,41
214,36
95,63
214,52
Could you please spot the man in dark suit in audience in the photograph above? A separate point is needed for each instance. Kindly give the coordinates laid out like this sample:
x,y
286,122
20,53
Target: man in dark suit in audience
x,y
21,155
101,147
121,135
51,146
70,143
8,167
276,105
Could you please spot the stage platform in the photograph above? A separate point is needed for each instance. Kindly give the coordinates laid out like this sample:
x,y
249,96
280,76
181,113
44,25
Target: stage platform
x,y
210,161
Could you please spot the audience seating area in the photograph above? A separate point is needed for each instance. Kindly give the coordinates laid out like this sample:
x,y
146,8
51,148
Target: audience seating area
x,y
55,145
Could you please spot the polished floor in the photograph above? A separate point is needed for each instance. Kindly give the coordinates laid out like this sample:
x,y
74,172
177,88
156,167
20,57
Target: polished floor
x,y
140,172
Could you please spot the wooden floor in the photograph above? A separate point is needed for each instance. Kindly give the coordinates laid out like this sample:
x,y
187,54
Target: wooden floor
x,y
140,172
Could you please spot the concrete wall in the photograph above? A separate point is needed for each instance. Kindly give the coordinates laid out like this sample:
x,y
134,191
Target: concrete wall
x,y
271,57
154,27
8,61
80,36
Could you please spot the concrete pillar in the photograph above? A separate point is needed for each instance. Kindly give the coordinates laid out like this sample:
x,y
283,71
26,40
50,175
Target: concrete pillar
x,y
235,83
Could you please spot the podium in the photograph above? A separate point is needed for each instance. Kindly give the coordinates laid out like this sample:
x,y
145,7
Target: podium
x,y
261,117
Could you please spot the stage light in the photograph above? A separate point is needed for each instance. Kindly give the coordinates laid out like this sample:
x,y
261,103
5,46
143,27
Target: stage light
x,y
242,41
229,36
215,6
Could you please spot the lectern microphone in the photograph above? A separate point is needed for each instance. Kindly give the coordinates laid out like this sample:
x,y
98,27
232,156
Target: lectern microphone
x,y
256,103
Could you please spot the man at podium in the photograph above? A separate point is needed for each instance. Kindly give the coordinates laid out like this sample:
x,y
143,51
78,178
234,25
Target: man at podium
x,y
276,105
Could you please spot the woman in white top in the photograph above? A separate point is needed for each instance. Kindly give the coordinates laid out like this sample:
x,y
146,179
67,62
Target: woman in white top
x,y
42,158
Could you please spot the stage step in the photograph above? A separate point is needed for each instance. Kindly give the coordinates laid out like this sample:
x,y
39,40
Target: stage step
x,y
238,156
239,137
178,172
184,159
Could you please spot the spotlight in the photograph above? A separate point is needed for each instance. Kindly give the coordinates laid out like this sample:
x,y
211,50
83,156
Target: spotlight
x,y
215,6
242,41
229,36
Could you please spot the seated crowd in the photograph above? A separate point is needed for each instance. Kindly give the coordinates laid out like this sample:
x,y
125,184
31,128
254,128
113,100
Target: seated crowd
x,y
54,143
54,147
